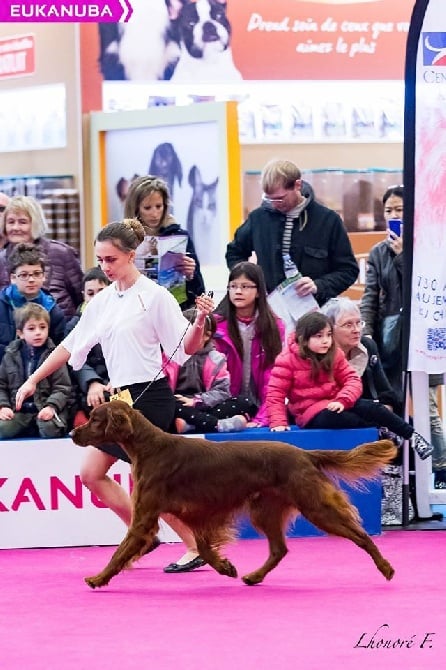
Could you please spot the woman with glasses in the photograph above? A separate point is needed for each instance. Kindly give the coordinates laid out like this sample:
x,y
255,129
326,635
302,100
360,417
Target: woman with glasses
x,y
26,269
24,222
250,336
360,351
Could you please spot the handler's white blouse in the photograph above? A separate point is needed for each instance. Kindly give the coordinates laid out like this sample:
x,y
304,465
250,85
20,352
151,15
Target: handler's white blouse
x,y
130,327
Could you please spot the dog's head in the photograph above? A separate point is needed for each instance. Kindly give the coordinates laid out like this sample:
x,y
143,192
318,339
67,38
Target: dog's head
x,y
110,422
166,164
204,28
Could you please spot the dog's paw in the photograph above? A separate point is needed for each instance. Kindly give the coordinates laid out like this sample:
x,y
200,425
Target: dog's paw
x,y
387,570
226,568
94,582
252,579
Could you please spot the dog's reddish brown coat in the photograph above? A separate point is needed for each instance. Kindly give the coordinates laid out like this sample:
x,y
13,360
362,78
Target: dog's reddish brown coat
x,y
206,484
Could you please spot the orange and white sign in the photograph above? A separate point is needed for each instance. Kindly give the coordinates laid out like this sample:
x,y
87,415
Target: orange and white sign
x,y
319,39
17,56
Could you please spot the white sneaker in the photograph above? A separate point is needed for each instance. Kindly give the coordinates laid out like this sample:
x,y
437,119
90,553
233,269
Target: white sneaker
x,y
233,424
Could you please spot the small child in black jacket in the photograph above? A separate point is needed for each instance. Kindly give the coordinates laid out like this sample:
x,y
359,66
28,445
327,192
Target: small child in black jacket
x,y
45,413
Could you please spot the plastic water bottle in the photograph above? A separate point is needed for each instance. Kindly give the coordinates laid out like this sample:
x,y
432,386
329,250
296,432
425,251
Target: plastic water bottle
x,y
289,266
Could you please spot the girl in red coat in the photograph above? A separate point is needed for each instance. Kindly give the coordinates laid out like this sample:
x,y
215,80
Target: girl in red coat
x,y
323,390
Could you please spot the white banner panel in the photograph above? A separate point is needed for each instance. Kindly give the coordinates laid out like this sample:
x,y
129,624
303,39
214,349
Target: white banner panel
x,y
427,347
44,504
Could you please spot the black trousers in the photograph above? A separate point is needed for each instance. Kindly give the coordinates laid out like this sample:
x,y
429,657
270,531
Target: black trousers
x,y
157,403
364,414
205,420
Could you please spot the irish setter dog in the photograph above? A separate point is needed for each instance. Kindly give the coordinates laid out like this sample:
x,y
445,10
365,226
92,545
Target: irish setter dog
x,y
207,484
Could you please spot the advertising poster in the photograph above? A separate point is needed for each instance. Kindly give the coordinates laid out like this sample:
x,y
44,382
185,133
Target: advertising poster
x,y
186,42
427,346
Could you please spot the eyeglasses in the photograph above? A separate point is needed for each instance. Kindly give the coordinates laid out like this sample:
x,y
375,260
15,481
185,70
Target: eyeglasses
x,y
37,274
241,287
351,325
275,201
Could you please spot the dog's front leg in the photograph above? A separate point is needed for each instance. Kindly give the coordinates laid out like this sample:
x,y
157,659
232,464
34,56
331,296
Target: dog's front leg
x,y
130,547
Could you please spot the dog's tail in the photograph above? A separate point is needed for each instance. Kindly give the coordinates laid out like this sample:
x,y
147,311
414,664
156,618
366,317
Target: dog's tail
x,y
363,462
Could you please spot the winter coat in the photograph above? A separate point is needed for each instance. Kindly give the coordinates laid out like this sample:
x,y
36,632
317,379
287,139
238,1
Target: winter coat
x,y
291,378
54,390
207,377
383,288
63,276
321,250
259,372
7,324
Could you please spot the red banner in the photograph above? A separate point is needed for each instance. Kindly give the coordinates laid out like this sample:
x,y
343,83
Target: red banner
x,y
17,56
320,39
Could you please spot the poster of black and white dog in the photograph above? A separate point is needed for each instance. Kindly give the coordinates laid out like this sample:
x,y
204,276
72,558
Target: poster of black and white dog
x,y
185,41
187,157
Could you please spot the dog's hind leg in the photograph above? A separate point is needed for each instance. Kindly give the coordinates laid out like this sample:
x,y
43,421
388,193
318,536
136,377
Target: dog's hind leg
x,y
336,515
269,515
130,548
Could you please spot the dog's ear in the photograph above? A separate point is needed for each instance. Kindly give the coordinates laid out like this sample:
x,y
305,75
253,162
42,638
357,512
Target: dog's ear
x,y
119,426
177,167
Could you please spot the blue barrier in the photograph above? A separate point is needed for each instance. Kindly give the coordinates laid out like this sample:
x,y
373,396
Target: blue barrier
x,y
368,501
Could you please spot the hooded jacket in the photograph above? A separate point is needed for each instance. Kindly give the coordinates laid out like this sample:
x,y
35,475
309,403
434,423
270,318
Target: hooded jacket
x,y
321,250
259,372
205,374
291,378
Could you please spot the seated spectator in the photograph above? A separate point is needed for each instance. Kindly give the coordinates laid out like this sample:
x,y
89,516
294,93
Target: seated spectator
x,y
24,222
26,269
46,412
250,336
324,390
91,380
201,387
361,352
148,201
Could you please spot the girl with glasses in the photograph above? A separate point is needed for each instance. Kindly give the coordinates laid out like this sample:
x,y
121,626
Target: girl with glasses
x,y
324,390
251,336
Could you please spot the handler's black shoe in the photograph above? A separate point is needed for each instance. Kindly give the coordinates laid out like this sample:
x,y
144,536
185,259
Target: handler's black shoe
x,y
195,563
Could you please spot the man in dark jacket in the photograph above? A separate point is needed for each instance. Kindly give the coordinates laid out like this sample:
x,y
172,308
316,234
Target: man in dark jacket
x,y
292,233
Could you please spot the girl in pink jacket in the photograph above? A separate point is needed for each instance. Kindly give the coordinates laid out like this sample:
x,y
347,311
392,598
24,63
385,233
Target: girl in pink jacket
x,y
323,390
250,336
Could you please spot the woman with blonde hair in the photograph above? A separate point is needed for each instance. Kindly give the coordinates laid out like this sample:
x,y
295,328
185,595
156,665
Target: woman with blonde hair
x,y
23,221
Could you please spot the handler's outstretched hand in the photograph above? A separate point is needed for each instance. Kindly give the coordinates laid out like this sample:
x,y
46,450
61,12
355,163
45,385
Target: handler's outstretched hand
x,y
27,389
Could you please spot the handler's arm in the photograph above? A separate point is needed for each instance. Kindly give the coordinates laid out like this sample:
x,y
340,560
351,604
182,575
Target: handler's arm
x,y
55,360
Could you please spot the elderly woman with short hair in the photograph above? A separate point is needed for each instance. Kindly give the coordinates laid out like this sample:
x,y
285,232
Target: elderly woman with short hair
x,y
361,352
24,222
